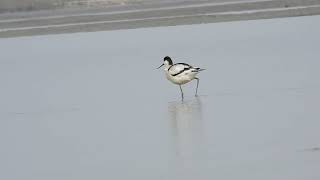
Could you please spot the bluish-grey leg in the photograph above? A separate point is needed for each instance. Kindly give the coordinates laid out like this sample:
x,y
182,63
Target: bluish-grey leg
x,y
197,86
181,92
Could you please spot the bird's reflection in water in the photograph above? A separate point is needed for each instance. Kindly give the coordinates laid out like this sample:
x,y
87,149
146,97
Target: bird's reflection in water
x,y
187,130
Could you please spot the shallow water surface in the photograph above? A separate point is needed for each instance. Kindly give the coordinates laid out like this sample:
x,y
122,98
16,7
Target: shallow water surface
x,y
93,106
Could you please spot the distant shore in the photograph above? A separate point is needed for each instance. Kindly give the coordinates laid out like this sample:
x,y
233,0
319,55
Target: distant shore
x,y
149,15
35,5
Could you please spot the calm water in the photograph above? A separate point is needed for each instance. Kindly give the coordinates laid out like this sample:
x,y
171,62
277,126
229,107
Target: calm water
x,y
93,106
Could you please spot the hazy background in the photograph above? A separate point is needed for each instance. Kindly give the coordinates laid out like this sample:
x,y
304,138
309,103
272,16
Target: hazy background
x,y
93,106
31,5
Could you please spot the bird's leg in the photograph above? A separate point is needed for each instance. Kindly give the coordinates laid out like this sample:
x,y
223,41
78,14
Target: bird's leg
x,y
197,86
181,92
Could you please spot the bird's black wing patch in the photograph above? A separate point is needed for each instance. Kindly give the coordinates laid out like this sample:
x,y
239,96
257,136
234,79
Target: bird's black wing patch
x,y
185,64
180,64
196,69
185,69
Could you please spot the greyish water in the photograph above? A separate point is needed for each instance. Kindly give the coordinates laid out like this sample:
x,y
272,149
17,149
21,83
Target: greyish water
x,y
93,106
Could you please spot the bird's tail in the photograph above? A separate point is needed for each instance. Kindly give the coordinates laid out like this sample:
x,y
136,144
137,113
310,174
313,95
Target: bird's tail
x,y
198,69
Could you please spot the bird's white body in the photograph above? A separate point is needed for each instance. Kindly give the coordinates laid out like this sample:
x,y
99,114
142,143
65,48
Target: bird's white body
x,y
180,73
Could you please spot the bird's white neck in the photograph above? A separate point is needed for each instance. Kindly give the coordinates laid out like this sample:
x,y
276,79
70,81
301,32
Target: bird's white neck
x,y
166,67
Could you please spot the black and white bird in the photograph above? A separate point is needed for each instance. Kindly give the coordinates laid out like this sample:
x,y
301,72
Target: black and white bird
x,y
180,73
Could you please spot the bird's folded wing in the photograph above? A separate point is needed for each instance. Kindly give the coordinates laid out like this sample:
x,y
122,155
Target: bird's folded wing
x,y
178,68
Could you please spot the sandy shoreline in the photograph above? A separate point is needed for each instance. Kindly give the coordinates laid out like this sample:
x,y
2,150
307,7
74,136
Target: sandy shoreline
x,y
149,15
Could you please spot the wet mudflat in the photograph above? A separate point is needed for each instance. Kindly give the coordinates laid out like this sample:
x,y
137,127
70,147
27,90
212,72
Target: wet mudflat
x,y
93,106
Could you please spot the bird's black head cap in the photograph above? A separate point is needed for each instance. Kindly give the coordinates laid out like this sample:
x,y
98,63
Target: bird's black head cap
x,y
167,58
